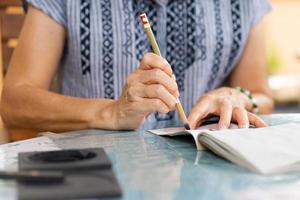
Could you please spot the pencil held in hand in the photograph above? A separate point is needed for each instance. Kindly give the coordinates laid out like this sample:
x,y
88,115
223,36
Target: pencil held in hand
x,y
156,50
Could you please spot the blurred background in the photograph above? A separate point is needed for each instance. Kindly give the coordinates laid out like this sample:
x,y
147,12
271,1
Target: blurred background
x,y
282,37
283,46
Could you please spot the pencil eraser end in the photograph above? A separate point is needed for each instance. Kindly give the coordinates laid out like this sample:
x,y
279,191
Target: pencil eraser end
x,y
144,19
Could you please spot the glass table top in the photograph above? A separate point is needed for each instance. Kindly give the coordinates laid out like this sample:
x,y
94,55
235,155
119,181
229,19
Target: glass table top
x,y
153,167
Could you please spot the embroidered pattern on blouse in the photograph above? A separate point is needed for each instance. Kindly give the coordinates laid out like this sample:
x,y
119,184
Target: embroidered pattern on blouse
x,y
236,31
182,38
183,41
126,50
107,49
218,52
85,38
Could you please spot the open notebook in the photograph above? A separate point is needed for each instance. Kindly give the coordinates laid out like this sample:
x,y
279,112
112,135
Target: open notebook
x,y
274,149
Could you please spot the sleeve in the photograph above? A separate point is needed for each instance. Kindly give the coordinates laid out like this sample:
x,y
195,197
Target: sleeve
x,y
56,9
259,8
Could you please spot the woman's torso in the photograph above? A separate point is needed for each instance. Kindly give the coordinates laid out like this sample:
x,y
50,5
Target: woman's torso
x,y
201,39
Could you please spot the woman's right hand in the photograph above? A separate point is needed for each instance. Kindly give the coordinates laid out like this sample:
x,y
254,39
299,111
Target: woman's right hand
x,y
149,89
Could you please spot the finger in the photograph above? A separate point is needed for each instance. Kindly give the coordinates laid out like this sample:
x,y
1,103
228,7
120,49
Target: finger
x,y
135,92
152,61
256,120
225,114
197,114
153,105
240,115
157,76
156,91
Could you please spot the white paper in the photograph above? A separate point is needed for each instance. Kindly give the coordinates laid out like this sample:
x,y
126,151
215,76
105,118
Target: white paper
x,y
270,150
174,131
9,152
195,133
264,150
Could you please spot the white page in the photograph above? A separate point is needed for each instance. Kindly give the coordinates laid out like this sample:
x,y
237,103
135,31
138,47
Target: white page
x,y
170,131
195,133
182,131
270,150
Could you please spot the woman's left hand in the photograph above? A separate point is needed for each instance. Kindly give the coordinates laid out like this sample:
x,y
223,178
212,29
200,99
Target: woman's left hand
x,y
229,104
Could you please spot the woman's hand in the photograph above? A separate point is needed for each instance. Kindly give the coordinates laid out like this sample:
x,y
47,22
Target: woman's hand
x,y
149,89
229,104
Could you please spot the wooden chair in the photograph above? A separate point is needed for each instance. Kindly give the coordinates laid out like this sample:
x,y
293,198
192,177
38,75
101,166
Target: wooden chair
x,y
11,21
3,134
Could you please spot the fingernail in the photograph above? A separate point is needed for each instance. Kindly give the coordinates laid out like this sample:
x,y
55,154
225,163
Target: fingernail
x,y
173,76
175,100
245,126
222,127
265,124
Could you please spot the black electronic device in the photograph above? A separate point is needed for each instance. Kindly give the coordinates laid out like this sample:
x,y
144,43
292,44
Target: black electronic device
x,y
88,174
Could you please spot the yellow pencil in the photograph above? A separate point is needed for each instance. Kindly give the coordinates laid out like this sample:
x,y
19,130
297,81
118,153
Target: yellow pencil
x,y
156,50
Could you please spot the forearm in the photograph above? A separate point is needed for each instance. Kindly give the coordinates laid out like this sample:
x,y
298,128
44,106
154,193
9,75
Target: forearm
x,y
251,71
28,107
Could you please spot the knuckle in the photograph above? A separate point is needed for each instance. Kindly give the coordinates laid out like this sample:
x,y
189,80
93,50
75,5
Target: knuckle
x,y
130,96
157,103
156,72
159,89
130,79
130,92
222,101
239,109
226,101
148,91
205,97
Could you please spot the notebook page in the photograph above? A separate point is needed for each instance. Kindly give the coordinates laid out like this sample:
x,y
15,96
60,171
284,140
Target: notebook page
x,y
195,133
182,131
170,131
269,150
221,149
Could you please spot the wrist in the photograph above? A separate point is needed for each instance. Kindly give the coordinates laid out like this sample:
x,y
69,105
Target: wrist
x,y
102,116
250,104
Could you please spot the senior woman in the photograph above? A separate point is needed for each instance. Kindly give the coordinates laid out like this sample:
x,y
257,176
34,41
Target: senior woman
x,y
111,81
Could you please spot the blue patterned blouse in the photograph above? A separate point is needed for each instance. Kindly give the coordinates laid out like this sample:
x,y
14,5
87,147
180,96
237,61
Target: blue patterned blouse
x,y
202,39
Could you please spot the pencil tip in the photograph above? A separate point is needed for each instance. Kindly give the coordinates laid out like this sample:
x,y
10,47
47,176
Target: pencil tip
x,y
187,126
